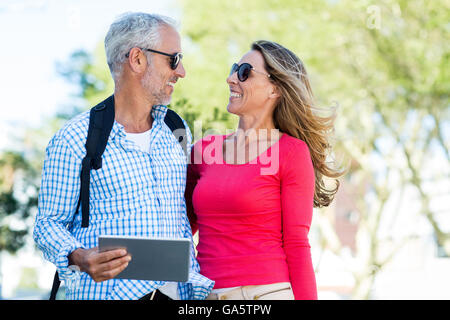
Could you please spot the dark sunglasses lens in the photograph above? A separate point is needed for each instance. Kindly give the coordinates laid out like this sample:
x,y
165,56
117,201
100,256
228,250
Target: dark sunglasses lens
x,y
244,71
234,68
174,61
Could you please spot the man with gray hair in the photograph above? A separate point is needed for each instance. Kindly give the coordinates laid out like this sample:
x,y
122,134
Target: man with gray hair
x,y
138,189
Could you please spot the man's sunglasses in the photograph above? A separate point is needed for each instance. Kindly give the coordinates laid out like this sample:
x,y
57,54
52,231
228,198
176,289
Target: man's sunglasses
x,y
243,71
174,58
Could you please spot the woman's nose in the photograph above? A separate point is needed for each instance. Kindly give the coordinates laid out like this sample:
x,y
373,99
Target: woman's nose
x,y
232,78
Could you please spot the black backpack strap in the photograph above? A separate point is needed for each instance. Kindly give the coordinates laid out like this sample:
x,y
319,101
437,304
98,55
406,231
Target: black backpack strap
x,y
101,120
175,123
55,286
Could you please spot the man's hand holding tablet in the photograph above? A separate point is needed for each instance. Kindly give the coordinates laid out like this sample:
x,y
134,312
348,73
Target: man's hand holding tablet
x,y
100,266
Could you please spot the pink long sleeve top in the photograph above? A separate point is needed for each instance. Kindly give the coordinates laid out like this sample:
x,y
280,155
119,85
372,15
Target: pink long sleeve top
x,y
253,227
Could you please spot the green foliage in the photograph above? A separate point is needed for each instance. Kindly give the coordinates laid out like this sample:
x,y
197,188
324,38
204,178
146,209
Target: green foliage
x,y
90,74
215,41
18,199
406,52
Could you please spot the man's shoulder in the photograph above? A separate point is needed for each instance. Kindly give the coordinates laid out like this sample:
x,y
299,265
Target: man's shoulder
x,y
74,132
75,128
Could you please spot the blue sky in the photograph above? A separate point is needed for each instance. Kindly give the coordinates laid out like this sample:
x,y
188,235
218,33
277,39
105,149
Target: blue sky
x,y
34,36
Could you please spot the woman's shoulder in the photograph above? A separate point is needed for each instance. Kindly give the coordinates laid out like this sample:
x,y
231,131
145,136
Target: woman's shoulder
x,y
295,156
293,145
294,152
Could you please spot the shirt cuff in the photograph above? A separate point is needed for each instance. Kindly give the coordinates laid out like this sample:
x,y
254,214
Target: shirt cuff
x,y
200,286
62,261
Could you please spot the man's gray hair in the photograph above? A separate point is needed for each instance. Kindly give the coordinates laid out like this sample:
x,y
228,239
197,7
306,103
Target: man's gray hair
x,y
129,30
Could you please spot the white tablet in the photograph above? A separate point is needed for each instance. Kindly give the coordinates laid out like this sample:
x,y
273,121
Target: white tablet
x,y
158,259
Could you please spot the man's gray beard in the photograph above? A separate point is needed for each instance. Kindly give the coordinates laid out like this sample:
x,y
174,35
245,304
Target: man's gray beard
x,y
159,97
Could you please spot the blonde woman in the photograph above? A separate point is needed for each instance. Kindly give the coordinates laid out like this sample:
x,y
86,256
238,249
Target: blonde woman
x,y
251,193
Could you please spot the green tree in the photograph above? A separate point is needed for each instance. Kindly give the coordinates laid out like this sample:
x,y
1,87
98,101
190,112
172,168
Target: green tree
x,y
18,198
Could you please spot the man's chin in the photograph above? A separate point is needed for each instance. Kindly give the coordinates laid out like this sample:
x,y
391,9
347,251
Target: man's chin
x,y
163,101
166,102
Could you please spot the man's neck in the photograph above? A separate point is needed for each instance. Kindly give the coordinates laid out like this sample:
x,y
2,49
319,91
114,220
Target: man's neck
x,y
133,111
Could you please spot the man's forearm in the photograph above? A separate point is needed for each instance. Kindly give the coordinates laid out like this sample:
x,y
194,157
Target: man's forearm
x,y
76,257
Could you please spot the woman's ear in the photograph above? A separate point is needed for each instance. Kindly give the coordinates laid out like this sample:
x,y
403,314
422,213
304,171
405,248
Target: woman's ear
x,y
274,92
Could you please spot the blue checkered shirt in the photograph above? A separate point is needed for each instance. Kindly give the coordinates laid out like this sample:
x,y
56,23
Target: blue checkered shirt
x,y
134,193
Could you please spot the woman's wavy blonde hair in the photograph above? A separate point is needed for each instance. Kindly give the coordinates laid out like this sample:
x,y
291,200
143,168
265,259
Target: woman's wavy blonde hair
x,y
294,115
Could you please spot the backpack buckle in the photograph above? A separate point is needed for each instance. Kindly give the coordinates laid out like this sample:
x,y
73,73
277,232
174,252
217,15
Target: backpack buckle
x,y
100,107
96,163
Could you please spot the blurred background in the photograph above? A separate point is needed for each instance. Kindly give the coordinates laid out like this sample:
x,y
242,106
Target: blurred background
x,y
383,64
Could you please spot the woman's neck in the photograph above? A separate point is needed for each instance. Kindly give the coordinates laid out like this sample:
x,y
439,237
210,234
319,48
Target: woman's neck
x,y
255,128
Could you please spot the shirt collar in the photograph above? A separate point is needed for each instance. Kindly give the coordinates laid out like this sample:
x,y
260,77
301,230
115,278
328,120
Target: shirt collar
x,y
158,113
117,128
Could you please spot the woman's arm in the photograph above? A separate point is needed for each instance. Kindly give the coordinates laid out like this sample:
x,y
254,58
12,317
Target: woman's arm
x,y
297,195
191,182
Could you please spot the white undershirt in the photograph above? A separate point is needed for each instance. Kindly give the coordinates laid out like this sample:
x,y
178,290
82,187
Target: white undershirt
x,y
170,289
141,139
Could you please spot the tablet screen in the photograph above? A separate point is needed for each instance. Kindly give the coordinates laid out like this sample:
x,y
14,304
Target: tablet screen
x,y
157,259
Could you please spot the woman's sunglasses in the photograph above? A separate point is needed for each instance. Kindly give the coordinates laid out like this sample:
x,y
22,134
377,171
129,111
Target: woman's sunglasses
x,y
174,58
243,71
